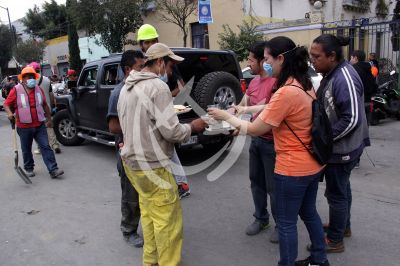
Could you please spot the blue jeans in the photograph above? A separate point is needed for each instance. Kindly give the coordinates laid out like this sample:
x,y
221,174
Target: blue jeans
x,y
338,193
26,136
261,168
296,195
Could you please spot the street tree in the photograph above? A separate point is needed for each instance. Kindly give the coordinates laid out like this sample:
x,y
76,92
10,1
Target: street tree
x,y
111,19
5,46
30,50
73,38
47,22
177,12
239,42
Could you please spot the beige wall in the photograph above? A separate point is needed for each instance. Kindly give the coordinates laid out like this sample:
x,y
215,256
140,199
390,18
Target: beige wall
x,y
303,37
224,12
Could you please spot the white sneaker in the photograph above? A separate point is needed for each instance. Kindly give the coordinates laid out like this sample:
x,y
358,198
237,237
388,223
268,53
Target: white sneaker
x,y
37,151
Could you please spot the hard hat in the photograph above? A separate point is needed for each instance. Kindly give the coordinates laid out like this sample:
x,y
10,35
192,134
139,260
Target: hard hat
x,y
71,72
374,71
28,70
35,65
146,32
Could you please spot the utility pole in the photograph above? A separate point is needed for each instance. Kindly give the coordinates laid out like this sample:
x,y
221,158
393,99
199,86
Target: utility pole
x,y
11,28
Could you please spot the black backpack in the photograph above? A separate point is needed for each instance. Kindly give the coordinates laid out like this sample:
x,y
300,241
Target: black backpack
x,y
321,133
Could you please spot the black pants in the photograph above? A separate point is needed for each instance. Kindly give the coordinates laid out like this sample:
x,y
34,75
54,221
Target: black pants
x,y
129,203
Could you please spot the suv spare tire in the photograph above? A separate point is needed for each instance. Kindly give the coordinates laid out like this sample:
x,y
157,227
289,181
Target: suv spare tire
x,y
214,86
65,129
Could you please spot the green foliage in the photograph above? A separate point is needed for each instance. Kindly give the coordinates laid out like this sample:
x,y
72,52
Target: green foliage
x,y
47,23
5,45
73,38
177,12
112,19
239,43
30,50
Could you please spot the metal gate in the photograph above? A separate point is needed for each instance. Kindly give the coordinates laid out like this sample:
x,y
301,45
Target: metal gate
x,y
371,36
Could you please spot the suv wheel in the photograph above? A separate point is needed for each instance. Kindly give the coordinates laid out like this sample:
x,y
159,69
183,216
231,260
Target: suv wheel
x,y
218,88
65,129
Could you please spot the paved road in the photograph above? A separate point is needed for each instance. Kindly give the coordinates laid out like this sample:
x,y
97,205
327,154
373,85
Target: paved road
x,y
76,219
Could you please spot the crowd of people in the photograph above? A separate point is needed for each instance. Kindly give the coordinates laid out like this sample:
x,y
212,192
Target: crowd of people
x,y
282,170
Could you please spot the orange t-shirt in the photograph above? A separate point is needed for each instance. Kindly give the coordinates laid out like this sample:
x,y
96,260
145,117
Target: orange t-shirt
x,y
292,105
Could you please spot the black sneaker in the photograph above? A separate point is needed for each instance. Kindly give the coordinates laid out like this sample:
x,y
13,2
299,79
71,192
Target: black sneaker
x,y
309,262
56,173
134,240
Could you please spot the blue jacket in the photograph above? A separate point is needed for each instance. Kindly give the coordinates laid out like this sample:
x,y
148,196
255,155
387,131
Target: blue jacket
x,y
342,94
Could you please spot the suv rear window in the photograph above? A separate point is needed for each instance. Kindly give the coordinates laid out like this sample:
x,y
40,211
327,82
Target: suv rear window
x,y
88,77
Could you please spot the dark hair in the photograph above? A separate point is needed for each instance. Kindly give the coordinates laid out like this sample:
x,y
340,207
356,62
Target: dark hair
x,y
359,54
257,49
129,58
296,61
331,43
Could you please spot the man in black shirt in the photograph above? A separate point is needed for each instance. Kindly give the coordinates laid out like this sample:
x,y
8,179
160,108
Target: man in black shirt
x,y
364,71
131,61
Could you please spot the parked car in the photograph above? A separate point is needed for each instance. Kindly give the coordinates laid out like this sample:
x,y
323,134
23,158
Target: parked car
x,y
315,77
82,112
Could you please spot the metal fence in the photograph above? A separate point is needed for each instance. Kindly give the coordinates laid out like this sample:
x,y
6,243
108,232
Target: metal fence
x,y
371,36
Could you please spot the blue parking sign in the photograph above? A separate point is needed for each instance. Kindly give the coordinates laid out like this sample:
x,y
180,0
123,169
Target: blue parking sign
x,y
205,15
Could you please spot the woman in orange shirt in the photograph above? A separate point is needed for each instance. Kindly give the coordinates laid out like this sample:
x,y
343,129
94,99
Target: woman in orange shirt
x,y
297,173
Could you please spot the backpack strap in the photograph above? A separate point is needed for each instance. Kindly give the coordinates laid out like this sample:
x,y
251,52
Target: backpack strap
x,y
291,128
298,137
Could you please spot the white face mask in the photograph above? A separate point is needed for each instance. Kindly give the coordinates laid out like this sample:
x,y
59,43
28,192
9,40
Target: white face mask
x,y
163,77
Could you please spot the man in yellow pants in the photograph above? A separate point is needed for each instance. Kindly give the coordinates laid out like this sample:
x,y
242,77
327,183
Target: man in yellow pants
x,y
151,127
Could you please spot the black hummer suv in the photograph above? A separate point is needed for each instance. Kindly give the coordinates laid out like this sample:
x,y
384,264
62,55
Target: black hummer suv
x,y
82,112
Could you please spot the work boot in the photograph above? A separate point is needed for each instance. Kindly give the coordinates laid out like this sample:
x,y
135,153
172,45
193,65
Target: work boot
x,y
256,227
56,173
134,240
29,173
274,238
331,247
347,231
309,262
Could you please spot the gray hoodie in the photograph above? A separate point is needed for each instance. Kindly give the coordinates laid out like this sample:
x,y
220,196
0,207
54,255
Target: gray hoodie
x,y
149,122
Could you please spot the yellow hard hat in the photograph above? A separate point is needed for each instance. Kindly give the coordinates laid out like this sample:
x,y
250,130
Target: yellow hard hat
x,y
28,70
146,32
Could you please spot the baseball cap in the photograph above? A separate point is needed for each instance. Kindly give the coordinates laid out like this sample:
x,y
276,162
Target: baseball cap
x,y
71,72
160,50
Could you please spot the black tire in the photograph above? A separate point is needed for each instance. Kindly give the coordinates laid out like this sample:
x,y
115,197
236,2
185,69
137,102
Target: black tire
x,y
216,84
65,129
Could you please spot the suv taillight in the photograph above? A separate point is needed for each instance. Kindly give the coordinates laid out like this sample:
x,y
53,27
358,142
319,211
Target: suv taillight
x,y
243,85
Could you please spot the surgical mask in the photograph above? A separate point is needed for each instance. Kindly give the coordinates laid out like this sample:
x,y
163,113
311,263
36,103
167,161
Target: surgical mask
x,y
165,76
268,68
31,83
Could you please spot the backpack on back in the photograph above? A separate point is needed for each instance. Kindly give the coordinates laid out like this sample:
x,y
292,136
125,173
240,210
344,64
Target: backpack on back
x,y
321,133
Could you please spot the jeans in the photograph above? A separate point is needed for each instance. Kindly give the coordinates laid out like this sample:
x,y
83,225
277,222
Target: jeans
x,y
296,195
129,203
338,193
27,135
261,168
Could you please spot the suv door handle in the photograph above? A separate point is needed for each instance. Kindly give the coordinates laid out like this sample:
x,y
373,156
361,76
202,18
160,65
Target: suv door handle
x,y
93,91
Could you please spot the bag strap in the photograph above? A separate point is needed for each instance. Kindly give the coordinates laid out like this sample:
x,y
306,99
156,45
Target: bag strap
x,y
291,128
298,137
